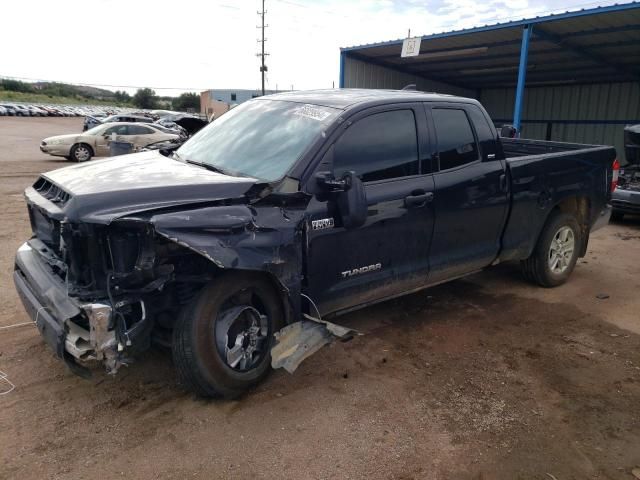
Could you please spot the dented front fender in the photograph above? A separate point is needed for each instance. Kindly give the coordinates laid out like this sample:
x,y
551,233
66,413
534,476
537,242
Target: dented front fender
x,y
243,237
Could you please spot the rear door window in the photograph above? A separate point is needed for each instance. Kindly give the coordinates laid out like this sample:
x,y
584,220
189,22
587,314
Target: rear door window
x,y
485,132
140,130
456,143
117,129
379,147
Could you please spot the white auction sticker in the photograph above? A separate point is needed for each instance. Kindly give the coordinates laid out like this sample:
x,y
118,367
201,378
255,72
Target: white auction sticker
x,y
312,111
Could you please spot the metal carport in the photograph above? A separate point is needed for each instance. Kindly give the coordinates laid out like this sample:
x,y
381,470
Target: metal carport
x,y
573,76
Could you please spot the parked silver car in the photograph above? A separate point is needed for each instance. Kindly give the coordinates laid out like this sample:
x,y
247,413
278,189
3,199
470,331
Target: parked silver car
x,y
95,141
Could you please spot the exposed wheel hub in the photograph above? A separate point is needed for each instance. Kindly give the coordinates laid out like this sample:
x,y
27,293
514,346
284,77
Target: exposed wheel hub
x,y
241,332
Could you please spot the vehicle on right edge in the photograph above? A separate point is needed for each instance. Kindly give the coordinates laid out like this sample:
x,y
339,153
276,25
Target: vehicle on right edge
x,y
238,249
626,198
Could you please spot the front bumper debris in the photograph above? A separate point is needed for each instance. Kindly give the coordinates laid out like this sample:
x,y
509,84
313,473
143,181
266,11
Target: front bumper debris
x,y
59,318
296,342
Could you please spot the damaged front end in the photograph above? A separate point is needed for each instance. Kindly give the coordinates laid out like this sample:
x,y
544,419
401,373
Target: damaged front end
x,y
104,291
103,277
94,292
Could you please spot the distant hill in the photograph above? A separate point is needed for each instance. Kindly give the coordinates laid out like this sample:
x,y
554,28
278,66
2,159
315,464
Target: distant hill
x,y
84,91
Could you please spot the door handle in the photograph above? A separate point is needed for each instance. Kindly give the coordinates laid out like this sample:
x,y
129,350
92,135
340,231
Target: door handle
x,y
419,200
503,183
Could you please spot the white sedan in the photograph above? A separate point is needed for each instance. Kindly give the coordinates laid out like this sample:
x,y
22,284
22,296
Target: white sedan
x,y
95,141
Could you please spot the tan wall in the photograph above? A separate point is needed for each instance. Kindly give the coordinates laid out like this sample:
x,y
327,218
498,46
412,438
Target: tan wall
x,y
210,106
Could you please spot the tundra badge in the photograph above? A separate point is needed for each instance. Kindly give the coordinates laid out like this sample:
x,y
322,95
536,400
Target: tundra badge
x,y
358,271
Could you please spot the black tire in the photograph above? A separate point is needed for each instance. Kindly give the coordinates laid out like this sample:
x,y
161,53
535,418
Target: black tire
x,y
200,364
537,267
617,216
81,152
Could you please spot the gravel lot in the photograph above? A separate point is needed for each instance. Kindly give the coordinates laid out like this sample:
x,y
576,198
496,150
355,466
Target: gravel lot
x,y
483,378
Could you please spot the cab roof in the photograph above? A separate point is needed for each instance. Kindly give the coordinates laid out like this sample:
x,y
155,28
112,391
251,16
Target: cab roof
x,y
344,98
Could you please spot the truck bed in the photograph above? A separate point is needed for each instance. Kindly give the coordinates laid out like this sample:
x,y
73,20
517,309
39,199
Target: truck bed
x,y
543,174
517,147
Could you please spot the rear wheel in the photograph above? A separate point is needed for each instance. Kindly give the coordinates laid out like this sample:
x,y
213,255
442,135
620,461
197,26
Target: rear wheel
x,y
556,252
81,152
222,340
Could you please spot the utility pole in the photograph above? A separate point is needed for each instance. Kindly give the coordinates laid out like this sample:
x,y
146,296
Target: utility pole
x,y
262,54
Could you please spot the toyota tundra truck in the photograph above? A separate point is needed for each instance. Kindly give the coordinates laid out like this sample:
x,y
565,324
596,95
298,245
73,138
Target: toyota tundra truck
x,y
241,248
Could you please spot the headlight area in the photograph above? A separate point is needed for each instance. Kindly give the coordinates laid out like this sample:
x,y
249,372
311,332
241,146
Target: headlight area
x,y
131,285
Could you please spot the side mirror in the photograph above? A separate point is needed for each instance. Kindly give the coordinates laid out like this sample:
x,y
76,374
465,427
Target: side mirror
x,y
329,183
508,131
352,203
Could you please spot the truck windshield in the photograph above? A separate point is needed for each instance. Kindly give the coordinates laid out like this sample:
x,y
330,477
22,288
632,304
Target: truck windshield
x,y
259,138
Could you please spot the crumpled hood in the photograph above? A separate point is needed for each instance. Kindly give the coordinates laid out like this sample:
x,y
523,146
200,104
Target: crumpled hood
x,y
101,191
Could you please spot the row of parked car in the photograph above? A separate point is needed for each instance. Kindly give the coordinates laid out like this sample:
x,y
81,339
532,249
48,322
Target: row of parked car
x,y
39,110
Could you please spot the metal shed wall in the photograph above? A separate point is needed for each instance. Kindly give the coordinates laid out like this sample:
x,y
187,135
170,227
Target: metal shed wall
x,y
359,74
593,113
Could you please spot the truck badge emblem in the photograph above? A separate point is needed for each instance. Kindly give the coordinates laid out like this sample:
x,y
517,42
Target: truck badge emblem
x,y
322,223
358,271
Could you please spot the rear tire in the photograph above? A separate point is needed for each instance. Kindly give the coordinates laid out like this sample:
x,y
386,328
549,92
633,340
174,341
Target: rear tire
x,y
208,337
81,152
556,253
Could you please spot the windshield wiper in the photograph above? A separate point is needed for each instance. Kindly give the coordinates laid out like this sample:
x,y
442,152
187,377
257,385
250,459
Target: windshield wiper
x,y
207,166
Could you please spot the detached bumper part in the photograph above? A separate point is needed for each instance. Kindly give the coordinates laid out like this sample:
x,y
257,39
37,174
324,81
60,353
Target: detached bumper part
x,y
45,299
300,340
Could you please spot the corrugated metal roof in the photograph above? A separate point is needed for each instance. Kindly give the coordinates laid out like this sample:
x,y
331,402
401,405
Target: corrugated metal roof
x,y
585,46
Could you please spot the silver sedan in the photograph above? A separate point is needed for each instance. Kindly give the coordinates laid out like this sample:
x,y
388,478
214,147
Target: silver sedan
x,y
95,141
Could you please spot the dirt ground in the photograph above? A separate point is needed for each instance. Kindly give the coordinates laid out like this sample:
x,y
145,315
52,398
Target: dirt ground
x,y
483,378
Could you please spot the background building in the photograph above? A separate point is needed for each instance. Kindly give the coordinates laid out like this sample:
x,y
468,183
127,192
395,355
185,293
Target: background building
x,y
219,101
567,77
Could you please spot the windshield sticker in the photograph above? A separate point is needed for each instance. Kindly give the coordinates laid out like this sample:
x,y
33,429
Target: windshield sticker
x,y
312,111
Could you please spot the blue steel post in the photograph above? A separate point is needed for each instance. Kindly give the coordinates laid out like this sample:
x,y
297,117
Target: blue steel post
x,y
341,79
522,75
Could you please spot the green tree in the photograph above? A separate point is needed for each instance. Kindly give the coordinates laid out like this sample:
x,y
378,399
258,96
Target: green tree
x,y
16,86
122,96
186,101
145,98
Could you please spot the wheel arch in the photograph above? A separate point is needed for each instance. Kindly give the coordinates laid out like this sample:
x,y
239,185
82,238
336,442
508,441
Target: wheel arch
x,y
288,290
281,289
578,206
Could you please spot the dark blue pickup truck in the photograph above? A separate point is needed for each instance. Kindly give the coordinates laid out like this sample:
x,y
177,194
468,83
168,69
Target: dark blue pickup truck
x,y
287,211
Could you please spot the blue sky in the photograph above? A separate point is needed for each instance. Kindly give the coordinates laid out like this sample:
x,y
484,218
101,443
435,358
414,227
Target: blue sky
x,y
178,45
